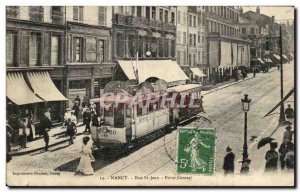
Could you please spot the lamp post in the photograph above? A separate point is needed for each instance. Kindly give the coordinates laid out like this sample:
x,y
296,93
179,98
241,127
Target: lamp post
x,y
246,107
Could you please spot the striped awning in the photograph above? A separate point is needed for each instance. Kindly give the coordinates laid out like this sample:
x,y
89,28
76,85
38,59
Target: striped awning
x,y
18,91
42,85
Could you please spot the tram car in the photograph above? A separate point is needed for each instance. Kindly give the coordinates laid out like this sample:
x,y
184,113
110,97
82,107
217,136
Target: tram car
x,y
132,114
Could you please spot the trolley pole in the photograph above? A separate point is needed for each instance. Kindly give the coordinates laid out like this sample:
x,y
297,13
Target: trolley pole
x,y
282,116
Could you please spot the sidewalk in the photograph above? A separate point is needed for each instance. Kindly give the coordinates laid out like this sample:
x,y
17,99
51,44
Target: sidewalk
x,y
57,136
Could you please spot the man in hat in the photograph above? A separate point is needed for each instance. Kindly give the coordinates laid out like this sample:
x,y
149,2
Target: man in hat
x,y
271,158
229,162
286,146
76,109
289,114
71,131
87,120
288,134
77,99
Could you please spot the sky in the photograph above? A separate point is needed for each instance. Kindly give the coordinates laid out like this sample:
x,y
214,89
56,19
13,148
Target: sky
x,y
280,12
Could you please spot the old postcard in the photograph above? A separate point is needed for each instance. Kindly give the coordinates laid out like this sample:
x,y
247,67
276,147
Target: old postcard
x,y
150,96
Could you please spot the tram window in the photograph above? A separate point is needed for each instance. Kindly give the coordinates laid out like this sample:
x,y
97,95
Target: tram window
x,y
128,111
108,112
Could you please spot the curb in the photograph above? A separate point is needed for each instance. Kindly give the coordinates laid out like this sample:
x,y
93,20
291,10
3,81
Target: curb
x,y
227,85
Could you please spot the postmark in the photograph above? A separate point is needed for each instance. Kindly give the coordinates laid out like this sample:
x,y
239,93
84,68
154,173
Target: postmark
x,y
196,150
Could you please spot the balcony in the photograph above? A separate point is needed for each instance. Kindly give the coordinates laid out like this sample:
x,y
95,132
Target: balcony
x,y
143,22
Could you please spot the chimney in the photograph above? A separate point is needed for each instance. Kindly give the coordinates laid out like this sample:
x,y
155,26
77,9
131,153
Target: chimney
x,y
257,10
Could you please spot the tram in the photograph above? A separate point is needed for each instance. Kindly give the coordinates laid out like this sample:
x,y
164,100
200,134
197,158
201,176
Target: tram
x,y
132,114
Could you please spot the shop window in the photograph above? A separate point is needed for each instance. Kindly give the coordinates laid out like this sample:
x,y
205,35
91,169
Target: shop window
x,y
24,47
153,13
78,49
139,11
11,40
78,13
140,46
148,12
12,11
102,15
91,44
36,13
34,48
57,14
55,50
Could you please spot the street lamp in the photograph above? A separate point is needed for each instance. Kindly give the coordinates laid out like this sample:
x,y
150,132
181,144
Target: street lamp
x,y
246,107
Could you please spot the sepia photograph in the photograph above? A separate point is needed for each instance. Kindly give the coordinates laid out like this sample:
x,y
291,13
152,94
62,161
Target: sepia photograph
x,y
150,96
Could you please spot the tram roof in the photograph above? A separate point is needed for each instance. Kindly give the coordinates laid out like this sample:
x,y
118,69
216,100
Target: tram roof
x,y
184,88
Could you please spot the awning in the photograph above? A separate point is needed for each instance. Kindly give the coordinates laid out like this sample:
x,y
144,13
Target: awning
x,y
260,60
268,60
198,72
18,91
276,56
285,57
42,85
185,88
167,70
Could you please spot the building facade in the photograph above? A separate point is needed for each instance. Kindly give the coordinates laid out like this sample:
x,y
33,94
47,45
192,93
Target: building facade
x,y
226,50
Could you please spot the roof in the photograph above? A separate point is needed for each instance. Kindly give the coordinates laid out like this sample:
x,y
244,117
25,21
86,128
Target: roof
x,y
167,70
18,91
198,72
184,88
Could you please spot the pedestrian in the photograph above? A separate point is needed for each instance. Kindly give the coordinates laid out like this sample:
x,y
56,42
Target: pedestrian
x,y
288,134
78,100
87,120
93,107
30,126
45,125
254,71
71,131
278,67
67,116
22,133
289,159
271,158
289,114
286,146
228,165
76,109
245,166
85,163
94,119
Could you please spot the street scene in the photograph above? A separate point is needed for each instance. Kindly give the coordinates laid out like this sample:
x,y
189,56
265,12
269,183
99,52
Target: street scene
x,y
103,102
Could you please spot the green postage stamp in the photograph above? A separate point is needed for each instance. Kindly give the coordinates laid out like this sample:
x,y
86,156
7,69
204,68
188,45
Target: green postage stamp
x,y
196,151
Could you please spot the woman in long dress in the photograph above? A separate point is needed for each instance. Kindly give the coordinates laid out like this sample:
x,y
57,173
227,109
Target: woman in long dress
x,y
85,164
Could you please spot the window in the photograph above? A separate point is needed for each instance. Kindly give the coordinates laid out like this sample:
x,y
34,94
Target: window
x,y
191,39
173,48
78,49
184,57
195,39
34,48
11,40
161,15
190,21
199,19
178,17
120,44
36,13
184,37
252,30
102,15
78,13
133,10
184,18
243,30
46,49
148,12
172,17
101,51
54,50
190,60
199,57
178,57
139,11
166,16
203,39
166,48
121,9
131,45
12,11
57,14
194,59
91,49
199,37
153,13
195,20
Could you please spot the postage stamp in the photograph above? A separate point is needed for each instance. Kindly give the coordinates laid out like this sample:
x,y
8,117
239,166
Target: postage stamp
x,y
196,151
